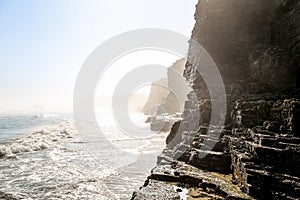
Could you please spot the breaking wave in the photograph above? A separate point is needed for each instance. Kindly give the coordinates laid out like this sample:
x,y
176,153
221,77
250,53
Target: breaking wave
x,y
51,163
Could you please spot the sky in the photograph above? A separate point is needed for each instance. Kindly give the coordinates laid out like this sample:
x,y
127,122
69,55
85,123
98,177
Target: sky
x,y
43,43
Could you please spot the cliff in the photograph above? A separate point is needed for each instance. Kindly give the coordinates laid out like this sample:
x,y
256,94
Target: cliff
x,y
255,44
256,154
172,103
165,96
158,94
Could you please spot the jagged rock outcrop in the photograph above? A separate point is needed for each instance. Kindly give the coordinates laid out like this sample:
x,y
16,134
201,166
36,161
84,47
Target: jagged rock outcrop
x,y
255,44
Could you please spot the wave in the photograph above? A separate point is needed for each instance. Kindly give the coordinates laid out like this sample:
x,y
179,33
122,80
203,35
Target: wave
x,y
40,139
54,162
43,164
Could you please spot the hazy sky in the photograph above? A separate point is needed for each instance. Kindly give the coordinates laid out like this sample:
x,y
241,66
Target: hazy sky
x,y
43,43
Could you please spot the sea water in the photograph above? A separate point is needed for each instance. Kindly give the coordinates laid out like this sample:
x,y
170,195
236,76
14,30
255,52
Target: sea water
x,y
45,157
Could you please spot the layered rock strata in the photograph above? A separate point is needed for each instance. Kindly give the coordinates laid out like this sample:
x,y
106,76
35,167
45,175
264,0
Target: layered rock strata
x,y
266,158
255,45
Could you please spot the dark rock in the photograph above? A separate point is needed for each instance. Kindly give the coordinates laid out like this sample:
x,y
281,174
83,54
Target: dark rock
x,y
175,136
271,126
148,120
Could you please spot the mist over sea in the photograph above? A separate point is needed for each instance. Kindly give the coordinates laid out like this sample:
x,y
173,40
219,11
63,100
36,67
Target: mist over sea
x,y
44,157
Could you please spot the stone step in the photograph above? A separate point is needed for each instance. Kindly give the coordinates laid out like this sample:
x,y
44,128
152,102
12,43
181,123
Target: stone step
x,y
260,180
210,160
189,176
286,159
210,144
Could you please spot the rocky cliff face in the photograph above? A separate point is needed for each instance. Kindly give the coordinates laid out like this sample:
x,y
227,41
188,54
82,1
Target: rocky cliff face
x,y
172,104
256,154
255,44
166,96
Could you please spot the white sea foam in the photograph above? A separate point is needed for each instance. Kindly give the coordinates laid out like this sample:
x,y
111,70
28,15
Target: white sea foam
x,y
52,162
40,139
39,165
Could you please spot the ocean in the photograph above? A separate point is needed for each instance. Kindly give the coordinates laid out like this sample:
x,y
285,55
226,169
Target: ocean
x,y
45,157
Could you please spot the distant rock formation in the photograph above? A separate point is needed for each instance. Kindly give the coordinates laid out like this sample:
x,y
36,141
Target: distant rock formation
x,y
256,154
163,96
172,104
157,96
